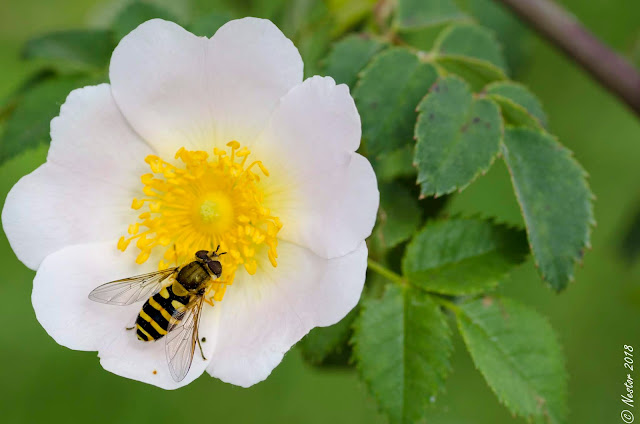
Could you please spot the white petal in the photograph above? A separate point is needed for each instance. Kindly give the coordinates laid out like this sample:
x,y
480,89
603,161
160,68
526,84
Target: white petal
x,y
335,226
91,136
325,195
251,66
60,301
84,191
262,316
313,130
177,89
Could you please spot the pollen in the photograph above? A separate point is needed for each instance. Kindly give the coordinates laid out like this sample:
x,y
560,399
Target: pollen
x,y
201,201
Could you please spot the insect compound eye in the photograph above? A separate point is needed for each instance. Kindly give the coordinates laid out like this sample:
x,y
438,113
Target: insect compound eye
x,y
215,267
202,254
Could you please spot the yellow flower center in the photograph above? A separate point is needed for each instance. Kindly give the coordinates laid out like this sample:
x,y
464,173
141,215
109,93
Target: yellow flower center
x,y
200,204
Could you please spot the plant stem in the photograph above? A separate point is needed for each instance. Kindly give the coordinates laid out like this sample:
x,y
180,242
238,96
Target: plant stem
x,y
386,272
446,303
564,31
397,278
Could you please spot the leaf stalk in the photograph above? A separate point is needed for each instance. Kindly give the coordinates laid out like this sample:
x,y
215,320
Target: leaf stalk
x,y
386,272
398,279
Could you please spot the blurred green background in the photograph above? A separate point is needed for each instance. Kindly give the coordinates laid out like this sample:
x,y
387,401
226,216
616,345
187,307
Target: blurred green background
x,y
594,317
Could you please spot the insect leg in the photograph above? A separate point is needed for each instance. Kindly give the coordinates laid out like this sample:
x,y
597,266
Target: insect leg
x,y
200,346
133,327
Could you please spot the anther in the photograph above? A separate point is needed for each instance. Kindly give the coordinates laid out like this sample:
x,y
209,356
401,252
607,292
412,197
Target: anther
x,y
235,216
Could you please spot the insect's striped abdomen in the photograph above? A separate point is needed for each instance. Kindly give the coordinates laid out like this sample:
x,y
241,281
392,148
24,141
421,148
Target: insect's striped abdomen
x,y
153,320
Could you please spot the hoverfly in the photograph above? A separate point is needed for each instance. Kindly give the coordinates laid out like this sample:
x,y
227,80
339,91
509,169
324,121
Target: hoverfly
x,y
173,305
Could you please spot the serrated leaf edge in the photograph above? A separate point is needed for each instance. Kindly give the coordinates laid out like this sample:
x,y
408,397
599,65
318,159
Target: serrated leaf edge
x,y
447,31
578,259
441,220
499,98
464,17
481,170
356,327
499,396
499,74
523,87
384,45
363,74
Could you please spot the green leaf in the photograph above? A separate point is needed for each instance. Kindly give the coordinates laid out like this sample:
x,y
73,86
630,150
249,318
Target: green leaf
x,y
555,199
472,41
518,104
349,56
237,7
72,51
308,24
394,164
9,103
412,14
274,10
398,216
135,14
329,345
348,13
422,39
207,25
476,72
313,46
458,137
510,32
518,354
294,17
402,344
515,115
387,94
463,256
28,125
472,53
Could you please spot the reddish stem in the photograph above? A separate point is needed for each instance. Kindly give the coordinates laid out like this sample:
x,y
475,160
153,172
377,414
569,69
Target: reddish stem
x,y
565,31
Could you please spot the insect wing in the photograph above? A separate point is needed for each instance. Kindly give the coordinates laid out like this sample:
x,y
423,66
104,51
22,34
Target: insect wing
x,y
130,290
182,337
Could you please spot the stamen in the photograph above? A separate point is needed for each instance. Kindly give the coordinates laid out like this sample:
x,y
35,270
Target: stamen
x,y
203,203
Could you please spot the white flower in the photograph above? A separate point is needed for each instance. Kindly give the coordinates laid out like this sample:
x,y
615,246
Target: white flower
x,y
295,237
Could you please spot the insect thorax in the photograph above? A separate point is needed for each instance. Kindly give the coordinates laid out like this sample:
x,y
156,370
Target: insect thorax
x,y
193,276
